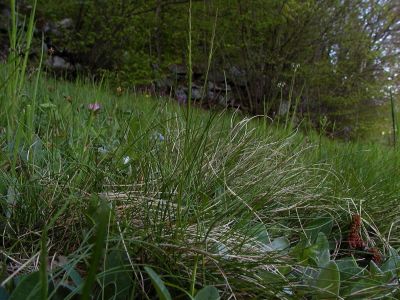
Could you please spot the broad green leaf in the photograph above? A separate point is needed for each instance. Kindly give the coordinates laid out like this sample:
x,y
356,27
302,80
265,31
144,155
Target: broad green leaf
x,y
117,280
378,275
374,269
75,277
323,224
348,268
392,264
28,288
257,231
366,288
309,275
328,281
322,249
299,252
207,293
318,254
278,244
158,284
35,153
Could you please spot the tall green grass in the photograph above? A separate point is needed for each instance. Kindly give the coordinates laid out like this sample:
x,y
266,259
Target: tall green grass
x,y
239,181
13,101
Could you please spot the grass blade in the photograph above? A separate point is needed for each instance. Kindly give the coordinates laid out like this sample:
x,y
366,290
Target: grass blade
x,y
100,238
158,284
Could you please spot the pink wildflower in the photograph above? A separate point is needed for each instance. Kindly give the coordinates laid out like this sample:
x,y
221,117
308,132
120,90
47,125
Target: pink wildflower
x,y
94,107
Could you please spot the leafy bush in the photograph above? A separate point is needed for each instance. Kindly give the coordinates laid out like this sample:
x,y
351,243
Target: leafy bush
x,y
338,51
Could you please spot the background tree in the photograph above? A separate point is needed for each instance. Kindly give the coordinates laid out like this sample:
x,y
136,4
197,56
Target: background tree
x,y
328,53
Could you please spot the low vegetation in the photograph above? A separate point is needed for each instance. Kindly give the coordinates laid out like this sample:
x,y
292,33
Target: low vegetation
x,y
108,194
97,195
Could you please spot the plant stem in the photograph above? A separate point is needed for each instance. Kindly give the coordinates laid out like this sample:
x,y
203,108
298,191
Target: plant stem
x,y
190,75
193,285
393,118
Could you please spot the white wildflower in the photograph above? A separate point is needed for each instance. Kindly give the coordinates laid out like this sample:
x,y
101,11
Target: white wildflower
x,y
126,160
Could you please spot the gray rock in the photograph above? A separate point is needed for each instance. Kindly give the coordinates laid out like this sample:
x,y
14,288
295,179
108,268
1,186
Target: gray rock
x,y
197,92
50,28
59,63
283,108
237,76
219,88
227,88
216,76
226,99
211,86
213,96
181,95
345,133
236,71
65,23
221,100
179,70
164,83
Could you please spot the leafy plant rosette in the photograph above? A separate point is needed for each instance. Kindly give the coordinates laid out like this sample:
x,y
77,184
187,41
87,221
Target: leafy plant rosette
x,y
317,271
349,274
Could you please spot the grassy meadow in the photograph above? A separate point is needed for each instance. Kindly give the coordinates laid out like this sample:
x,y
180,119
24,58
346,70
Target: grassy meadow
x,y
109,194
94,196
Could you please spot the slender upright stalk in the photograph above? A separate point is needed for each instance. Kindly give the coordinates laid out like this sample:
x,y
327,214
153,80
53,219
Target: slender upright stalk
x,y
193,283
190,75
290,98
393,118
188,124
210,55
296,104
28,41
12,66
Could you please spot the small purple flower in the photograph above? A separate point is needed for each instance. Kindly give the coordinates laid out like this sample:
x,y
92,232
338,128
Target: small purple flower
x,y
94,107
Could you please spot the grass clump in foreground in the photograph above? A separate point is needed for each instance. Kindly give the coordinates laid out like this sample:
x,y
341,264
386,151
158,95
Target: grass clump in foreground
x,y
131,201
